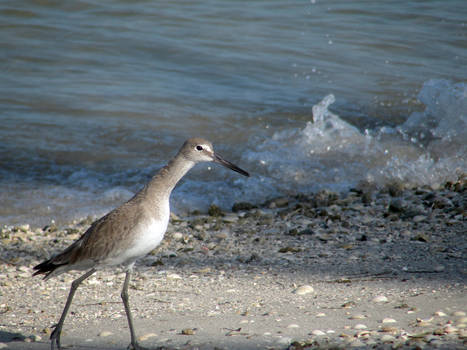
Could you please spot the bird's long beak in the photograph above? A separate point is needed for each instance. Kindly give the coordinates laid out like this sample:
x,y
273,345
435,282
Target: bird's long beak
x,y
218,159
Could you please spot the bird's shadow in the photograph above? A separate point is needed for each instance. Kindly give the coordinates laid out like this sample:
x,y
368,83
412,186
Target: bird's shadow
x,y
7,337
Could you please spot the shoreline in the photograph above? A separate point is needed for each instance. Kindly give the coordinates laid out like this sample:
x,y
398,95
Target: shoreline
x,y
369,269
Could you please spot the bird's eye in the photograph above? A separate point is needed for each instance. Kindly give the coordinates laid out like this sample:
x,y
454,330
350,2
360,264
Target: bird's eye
x,y
199,148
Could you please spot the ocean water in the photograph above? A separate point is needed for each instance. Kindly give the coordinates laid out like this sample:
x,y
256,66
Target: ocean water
x,y
96,96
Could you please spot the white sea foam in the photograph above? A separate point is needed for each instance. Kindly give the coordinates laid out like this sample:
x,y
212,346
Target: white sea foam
x,y
428,149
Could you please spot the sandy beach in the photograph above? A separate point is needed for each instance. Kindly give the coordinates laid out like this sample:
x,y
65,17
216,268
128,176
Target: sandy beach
x,y
372,268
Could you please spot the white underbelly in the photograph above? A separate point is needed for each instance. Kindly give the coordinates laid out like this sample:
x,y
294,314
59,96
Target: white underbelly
x,y
147,237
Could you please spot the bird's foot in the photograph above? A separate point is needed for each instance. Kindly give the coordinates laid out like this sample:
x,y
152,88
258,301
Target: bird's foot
x,y
136,346
55,337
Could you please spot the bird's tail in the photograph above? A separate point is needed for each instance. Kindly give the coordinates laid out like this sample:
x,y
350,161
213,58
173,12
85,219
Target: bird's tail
x,y
46,268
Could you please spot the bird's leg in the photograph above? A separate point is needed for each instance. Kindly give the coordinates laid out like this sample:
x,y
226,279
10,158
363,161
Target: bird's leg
x,y
134,344
55,336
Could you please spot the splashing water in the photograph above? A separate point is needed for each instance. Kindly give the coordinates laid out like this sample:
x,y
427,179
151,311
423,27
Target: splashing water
x,y
428,149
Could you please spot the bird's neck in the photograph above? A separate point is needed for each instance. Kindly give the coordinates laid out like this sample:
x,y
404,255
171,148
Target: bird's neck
x,y
167,178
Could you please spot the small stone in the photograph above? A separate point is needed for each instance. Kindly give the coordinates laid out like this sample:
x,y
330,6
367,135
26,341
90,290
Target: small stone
x,y
306,289
289,249
357,317
293,325
421,237
429,337
462,334
387,338
458,313
221,235
439,268
204,270
320,314
242,206
35,337
419,218
380,299
188,331
360,326
348,304
46,330
230,218
215,211
388,320
462,320
3,346
317,332
105,334
389,329
279,203
424,322
450,329
357,344
396,206
178,236
440,314
24,228
363,334
173,276
147,336
23,268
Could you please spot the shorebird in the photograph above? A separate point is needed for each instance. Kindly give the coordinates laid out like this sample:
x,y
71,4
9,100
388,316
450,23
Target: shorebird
x,y
128,232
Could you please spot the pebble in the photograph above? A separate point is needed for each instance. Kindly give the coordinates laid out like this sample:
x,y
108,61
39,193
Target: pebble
x,y
178,236
105,334
317,332
387,338
293,325
306,289
388,320
357,344
458,313
36,337
321,314
440,314
450,329
3,346
147,336
419,218
462,320
357,317
363,334
360,326
380,299
389,329
188,331
174,276
421,237
230,218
